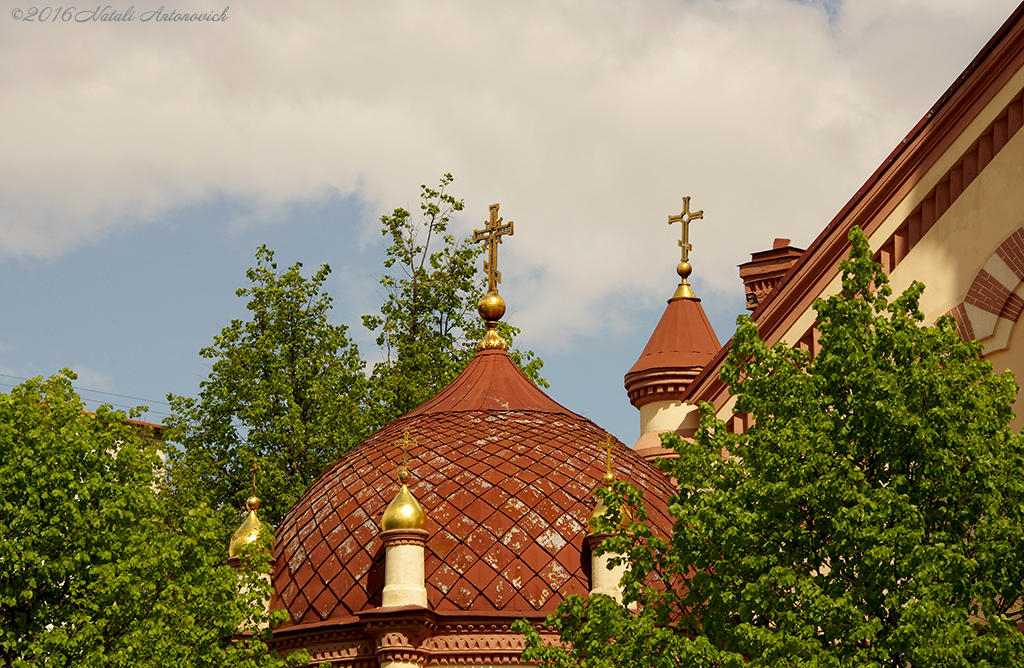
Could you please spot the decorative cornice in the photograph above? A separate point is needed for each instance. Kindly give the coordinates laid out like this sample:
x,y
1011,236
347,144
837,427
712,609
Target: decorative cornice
x,y
354,653
595,539
649,385
400,637
291,637
415,635
395,537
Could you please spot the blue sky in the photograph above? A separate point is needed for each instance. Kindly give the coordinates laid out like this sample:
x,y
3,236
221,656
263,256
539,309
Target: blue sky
x,y
136,183
129,313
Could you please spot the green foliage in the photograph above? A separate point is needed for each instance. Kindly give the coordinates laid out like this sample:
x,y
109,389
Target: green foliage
x,y
99,565
285,389
427,327
871,517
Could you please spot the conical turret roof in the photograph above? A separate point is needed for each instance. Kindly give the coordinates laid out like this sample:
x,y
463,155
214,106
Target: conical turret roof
x,y
681,345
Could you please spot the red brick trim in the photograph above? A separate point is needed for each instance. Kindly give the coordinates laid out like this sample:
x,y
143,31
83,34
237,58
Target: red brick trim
x,y
952,185
963,323
1011,252
991,295
1012,308
987,293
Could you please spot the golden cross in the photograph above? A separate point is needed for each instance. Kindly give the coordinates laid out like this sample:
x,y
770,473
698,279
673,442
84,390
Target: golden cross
x,y
492,234
403,473
685,217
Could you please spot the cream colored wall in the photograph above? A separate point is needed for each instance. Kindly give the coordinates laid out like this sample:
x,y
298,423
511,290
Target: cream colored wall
x,y
948,258
662,416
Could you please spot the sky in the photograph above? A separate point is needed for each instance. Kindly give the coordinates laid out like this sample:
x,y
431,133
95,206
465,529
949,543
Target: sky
x,y
142,161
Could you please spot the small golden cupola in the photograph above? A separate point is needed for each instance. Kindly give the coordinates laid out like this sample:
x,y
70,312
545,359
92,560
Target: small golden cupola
x,y
404,538
404,511
605,578
249,532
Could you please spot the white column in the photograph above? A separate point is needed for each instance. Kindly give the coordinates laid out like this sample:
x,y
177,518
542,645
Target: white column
x,y
404,582
603,579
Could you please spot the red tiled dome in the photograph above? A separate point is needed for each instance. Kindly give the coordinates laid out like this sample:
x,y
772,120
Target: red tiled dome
x,y
506,476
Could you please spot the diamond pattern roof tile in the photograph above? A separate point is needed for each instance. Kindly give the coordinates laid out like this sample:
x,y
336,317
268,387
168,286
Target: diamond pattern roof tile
x,y
508,491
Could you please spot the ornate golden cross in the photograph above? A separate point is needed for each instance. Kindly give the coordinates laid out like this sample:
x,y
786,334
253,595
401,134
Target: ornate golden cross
x,y
405,442
685,217
492,234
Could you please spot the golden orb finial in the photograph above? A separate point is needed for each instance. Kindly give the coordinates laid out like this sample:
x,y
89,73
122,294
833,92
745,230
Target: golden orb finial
x,y
249,532
404,511
684,268
491,307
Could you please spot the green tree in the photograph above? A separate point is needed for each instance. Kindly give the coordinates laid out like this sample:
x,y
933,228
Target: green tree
x,y
871,517
427,326
286,388
100,566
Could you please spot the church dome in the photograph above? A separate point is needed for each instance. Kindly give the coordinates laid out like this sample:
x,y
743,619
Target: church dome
x,y
506,477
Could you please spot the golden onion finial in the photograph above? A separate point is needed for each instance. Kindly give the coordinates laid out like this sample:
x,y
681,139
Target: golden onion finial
x,y
404,511
249,532
491,306
684,268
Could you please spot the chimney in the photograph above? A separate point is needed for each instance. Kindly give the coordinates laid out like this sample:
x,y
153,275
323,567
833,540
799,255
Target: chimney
x,y
765,270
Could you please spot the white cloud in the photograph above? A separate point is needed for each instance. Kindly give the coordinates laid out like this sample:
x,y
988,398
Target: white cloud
x,y
587,121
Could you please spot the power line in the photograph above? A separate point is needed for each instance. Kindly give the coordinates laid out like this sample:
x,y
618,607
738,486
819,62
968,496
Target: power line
x,y
86,389
148,412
